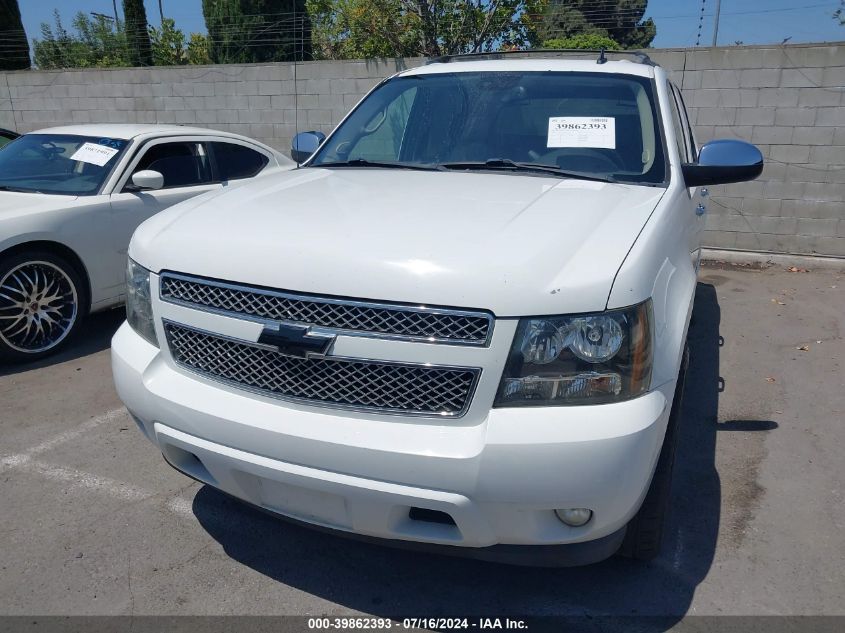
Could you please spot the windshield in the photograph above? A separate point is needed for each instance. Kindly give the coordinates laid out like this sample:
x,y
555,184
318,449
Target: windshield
x,y
595,124
58,163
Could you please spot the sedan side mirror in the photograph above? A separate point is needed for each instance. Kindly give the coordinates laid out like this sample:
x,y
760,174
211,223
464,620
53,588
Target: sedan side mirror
x,y
723,162
147,179
304,144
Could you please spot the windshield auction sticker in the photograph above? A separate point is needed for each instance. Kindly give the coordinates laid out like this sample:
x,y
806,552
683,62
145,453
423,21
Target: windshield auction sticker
x,y
94,154
579,131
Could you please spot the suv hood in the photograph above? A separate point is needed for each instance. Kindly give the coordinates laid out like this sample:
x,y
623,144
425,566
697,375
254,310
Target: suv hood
x,y
513,244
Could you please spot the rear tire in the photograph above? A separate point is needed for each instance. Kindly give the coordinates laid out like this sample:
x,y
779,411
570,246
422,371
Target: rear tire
x,y
43,298
644,533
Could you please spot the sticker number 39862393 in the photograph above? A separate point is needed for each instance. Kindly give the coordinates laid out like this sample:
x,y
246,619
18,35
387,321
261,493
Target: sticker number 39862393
x,y
577,131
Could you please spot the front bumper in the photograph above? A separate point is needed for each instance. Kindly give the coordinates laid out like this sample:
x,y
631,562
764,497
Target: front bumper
x,y
499,480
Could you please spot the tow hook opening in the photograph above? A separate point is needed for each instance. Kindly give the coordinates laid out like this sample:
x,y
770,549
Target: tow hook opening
x,y
430,516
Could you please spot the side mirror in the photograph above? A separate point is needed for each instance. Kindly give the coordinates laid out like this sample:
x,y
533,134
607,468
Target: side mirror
x,y
147,179
723,162
304,144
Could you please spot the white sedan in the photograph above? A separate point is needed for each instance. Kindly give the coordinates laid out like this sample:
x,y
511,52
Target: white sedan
x,y
70,199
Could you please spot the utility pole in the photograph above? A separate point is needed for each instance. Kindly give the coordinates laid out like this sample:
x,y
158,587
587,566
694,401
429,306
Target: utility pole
x,y
160,12
716,22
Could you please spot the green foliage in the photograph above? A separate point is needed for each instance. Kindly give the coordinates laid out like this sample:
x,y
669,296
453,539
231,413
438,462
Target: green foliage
x,y
170,48
15,45
839,14
228,30
168,44
198,49
243,31
586,41
349,29
137,35
96,42
620,20
396,28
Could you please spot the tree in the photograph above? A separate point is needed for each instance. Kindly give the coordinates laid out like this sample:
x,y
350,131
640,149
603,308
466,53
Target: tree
x,y
96,42
170,48
137,34
100,42
198,52
585,41
354,29
839,14
168,44
460,26
228,30
242,31
396,28
620,20
16,46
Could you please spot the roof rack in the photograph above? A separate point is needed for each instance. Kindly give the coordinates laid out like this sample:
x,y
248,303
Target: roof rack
x,y
641,57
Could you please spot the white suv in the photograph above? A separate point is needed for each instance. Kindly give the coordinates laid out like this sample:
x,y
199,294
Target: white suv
x,y
459,325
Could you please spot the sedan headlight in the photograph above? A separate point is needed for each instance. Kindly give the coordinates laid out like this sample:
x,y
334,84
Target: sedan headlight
x,y
139,307
579,359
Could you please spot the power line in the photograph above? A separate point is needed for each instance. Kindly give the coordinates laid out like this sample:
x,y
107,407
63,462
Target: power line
x,y
700,23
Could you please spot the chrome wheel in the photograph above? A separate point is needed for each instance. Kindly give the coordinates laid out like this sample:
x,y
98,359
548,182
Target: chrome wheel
x,y
38,307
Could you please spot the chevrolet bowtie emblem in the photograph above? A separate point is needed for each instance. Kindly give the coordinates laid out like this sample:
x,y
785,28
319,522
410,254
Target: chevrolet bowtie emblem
x,y
296,340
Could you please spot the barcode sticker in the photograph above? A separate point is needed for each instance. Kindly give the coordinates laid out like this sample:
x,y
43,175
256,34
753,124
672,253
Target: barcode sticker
x,y
577,131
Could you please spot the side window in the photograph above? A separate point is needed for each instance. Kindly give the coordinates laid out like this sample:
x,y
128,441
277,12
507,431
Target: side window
x,y
182,164
384,142
693,150
236,161
678,126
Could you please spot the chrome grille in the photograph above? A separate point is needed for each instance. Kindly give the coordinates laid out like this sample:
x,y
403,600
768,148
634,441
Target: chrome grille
x,y
335,382
374,319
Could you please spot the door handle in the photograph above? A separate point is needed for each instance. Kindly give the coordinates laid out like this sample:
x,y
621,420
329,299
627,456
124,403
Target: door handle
x,y
700,209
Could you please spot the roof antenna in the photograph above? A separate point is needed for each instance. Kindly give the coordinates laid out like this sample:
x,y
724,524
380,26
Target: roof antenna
x,y
602,59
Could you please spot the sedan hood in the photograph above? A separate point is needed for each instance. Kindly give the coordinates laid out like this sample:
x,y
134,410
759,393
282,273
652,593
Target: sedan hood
x,y
513,244
15,203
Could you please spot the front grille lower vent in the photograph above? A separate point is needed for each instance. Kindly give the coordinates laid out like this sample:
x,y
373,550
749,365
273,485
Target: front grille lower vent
x,y
441,325
335,382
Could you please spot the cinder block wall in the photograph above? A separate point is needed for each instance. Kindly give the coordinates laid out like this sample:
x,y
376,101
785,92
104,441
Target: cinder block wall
x,y
788,100
255,100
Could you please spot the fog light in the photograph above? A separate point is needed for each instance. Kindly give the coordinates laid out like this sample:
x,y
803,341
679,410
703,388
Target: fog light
x,y
575,517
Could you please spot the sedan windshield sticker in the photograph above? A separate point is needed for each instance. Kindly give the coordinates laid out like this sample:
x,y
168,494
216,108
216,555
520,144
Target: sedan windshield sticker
x,y
94,154
116,143
581,131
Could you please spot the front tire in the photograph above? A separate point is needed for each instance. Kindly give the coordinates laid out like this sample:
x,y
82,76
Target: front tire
x,y
42,301
644,532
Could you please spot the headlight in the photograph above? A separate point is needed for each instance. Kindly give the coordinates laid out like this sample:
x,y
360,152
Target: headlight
x,y
139,307
581,359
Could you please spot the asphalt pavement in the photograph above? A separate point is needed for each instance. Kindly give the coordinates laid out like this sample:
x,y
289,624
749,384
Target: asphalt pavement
x,y
93,522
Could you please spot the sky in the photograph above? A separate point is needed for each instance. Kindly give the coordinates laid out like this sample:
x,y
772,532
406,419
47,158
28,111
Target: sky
x,y
746,21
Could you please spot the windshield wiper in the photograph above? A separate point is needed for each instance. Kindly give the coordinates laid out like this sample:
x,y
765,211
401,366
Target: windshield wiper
x,y
16,189
510,165
363,162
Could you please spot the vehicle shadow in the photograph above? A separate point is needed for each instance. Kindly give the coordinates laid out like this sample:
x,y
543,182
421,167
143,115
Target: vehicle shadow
x,y
397,583
94,335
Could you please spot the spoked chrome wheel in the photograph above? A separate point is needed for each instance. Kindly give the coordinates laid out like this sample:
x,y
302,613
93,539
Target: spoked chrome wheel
x,y
39,306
